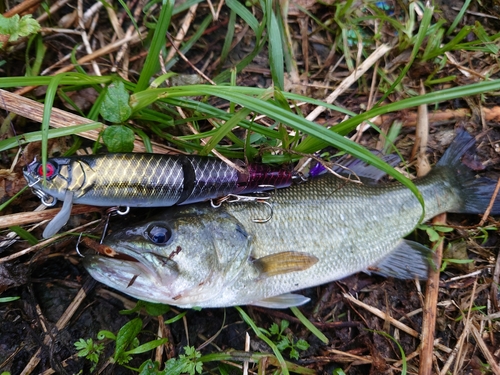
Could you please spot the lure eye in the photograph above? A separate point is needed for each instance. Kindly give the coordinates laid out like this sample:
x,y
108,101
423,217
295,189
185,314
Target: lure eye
x,y
51,170
158,234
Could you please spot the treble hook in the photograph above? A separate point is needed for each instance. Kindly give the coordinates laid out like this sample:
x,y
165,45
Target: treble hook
x,y
236,198
298,178
269,217
110,212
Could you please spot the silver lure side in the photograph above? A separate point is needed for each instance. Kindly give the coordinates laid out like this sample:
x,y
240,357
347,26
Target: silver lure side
x,y
143,180
320,231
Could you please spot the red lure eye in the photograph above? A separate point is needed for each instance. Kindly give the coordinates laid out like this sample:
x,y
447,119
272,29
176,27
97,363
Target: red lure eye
x,y
51,170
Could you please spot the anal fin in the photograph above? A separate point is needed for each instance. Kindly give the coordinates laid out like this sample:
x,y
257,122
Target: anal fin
x,y
284,262
282,301
408,260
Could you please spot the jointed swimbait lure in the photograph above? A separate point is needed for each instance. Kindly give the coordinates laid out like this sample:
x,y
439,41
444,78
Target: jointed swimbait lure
x,y
143,180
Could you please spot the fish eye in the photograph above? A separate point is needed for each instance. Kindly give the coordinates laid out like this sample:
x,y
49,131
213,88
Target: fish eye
x,y
51,170
158,234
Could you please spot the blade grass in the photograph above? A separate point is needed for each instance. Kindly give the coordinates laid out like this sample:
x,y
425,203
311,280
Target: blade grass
x,y
20,140
316,332
276,58
244,14
151,64
49,101
226,48
76,79
260,335
422,32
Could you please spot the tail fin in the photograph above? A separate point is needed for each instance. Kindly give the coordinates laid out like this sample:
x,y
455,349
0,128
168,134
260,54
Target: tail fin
x,y
475,192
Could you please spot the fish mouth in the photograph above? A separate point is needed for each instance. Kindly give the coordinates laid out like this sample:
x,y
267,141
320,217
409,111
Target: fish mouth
x,y
119,274
122,265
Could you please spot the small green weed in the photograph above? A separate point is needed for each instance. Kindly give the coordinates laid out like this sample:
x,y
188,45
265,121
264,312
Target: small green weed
x,y
126,344
482,233
185,363
285,341
433,231
463,313
188,363
90,350
15,27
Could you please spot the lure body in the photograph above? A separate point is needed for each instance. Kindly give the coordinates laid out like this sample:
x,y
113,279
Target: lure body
x,y
147,180
143,180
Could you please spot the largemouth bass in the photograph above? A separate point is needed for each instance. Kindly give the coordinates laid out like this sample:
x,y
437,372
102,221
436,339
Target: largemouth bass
x,y
320,231
143,180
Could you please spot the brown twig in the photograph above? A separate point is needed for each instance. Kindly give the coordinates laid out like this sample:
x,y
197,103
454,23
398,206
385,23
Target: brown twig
x,y
21,7
430,308
61,119
64,363
449,115
457,350
495,284
61,323
42,244
181,34
134,38
181,55
422,136
24,218
382,315
492,361
353,77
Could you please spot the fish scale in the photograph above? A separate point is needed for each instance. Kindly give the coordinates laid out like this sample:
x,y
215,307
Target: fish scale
x,y
136,177
367,233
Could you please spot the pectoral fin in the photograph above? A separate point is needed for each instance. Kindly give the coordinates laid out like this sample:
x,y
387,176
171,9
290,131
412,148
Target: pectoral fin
x,y
408,260
282,301
284,262
61,218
